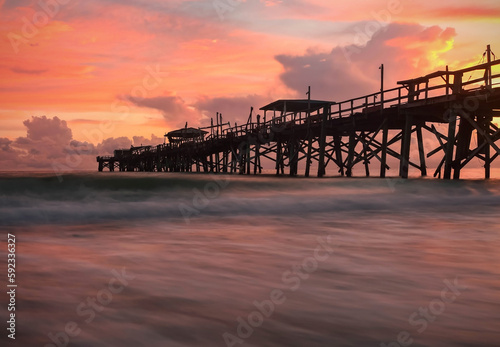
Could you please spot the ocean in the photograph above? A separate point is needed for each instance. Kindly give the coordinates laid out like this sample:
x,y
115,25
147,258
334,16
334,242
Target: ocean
x,y
165,259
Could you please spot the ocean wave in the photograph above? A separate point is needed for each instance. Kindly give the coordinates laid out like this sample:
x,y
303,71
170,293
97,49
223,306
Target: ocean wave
x,y
91,198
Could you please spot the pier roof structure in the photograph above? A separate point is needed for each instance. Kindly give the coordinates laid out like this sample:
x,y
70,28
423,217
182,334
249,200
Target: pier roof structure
x,y
297,105
185,134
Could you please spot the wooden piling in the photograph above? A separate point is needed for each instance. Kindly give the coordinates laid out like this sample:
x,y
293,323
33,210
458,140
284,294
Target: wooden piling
x,y
405,146
322,142
450,146
421,151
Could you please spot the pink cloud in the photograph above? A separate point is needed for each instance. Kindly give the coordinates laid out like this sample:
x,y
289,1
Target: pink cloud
x,y
174,109
49,145
407,50
43,128
144,141
235,109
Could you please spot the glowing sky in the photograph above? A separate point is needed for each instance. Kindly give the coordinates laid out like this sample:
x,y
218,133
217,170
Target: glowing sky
x,y
148,66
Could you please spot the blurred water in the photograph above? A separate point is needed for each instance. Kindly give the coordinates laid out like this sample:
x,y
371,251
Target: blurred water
x,y
202,249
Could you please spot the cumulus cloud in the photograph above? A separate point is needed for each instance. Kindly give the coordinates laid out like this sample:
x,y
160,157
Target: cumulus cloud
x,y
5,144
234,109
352,70
177,112
144,141
173,108
107,146
49,145
43,128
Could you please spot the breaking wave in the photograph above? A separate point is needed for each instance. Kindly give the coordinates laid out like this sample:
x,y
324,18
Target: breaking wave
x,y
27,199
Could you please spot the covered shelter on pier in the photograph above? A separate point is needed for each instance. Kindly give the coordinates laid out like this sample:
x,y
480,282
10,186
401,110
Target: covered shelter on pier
x,y
185,135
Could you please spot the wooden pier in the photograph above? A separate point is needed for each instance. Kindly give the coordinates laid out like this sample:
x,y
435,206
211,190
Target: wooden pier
x,y
320,135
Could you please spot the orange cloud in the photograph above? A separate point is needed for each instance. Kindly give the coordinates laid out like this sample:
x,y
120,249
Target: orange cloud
x,y
90,54
467,12
407,50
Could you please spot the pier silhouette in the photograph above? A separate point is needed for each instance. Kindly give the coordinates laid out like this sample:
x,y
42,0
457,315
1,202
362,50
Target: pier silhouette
x,y
340,135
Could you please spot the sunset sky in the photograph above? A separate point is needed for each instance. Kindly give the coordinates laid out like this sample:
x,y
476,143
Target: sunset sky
x,y
89,76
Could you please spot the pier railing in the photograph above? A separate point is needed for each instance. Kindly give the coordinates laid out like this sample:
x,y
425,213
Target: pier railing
x,y
418,90
422,90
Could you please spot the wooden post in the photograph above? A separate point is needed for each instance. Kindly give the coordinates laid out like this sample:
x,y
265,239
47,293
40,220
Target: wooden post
x,y
350,154
308,156
484,124
220,122
489,80
464,137
411,92
224,161
487,157
241,156
248,152
337,142
211,162
294,156
233,160
450,146
365,155
309,135
385,127
322,143
205,165
217,161
385,135
421,151
457,82
257,148
405,147
278,157
256,166
447,80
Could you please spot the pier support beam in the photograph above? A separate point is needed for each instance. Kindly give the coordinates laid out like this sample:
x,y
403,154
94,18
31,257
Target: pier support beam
x,y
309,152
484,125
337,142
322,142
450,146
464,137
421,151
293,152
383,159
350,154
256,167
405,147
279,157
248,157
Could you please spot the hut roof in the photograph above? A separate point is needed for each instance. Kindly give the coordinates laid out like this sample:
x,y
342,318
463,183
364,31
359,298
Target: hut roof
x,y
186,133
296,105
